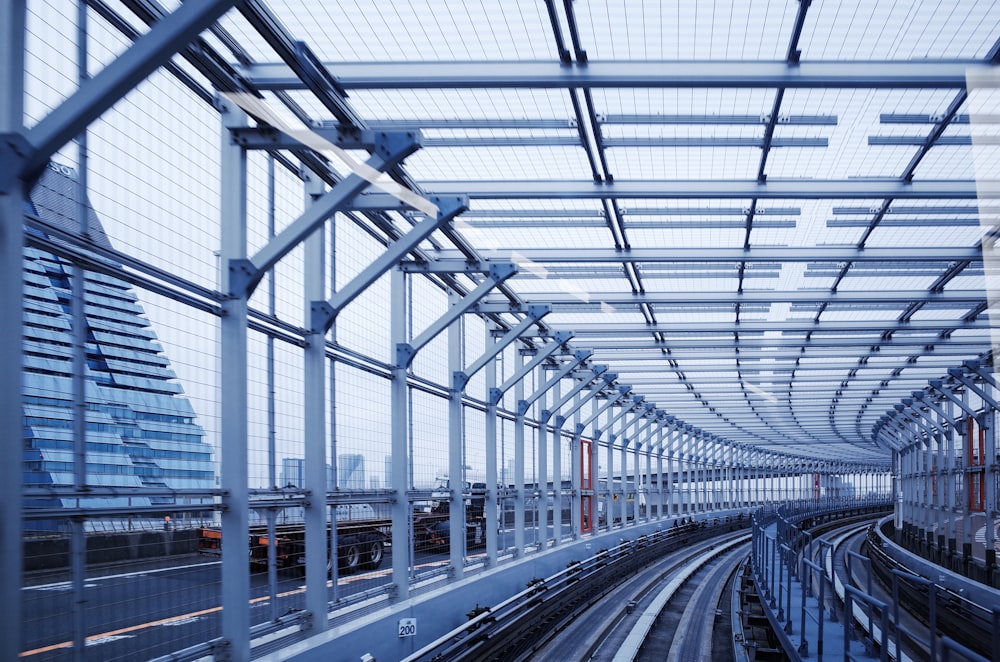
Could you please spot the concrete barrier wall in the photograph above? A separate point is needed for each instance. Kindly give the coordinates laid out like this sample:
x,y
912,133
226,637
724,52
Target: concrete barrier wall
x,y
53,553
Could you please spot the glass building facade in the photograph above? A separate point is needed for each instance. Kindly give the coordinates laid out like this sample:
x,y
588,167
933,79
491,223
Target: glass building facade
x,y
141,430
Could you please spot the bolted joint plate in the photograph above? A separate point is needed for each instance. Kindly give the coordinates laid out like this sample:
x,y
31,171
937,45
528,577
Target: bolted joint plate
x,y
391,145
243,277
537,311
502,271
562,337
450,205
321,316
459,380
495,396
522,407
404,354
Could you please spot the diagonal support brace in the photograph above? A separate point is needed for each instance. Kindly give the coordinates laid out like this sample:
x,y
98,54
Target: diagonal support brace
x,y
462,377
579,357
559,341
390,150
327,311
405,352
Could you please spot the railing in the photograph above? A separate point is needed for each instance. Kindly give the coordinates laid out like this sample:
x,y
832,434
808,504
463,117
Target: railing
x,y
785,564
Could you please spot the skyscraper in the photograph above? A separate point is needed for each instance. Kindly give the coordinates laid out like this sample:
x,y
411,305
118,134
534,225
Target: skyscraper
x,y
141,430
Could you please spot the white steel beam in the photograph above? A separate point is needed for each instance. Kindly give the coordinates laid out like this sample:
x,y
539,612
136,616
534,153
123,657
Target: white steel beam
x,y
949,74
784,189
233,398
688,255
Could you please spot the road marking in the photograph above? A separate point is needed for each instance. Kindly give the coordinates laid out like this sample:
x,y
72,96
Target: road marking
x,y
125,575
104,637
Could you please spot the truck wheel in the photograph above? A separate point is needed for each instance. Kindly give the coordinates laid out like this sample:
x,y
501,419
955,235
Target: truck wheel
x,y
350,555
372,551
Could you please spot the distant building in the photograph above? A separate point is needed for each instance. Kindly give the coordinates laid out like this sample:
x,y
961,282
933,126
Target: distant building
x,y
141,430
293,472
351,472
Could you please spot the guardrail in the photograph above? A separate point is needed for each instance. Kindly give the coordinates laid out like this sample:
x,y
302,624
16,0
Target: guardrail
x,y
783,565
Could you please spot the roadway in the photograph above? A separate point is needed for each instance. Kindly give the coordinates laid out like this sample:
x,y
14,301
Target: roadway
x,y
145,609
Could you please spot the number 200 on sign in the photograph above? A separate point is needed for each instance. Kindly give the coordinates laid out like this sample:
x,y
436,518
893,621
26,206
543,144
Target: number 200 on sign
x,y
407,627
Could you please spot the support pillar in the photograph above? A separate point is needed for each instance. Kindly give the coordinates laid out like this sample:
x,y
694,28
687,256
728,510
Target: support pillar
x,y
233,397
400,426
519,482
12,20
314,423
492,495
557,491
456,464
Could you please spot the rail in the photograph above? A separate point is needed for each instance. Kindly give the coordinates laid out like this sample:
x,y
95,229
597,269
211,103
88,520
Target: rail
x,y
512,626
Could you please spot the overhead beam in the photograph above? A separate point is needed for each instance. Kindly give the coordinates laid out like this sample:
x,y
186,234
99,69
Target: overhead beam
x,y
788,189
786,342
626,74
784,326
525,256
901,297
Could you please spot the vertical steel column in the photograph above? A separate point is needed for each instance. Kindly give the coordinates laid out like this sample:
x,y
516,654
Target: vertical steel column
x,y
314,423
661,435
78,551
683,442
989,432
492,494
543,470
576,473
595,470
625,440
400,424
648,445
610,498
519,481
951,482
233,391
12,20
272,430
636,470
673,482
456,465
967,533
557,491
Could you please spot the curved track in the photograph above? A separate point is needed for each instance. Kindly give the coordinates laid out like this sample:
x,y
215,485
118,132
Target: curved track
x,y
552,618
646,612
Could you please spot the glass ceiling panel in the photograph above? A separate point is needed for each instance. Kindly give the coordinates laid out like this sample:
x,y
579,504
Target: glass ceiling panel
x,y
521,237
493,163
899,30
948,162
653,30
684,163
664,103
461,104
421,30
577,287
696,237
942,235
